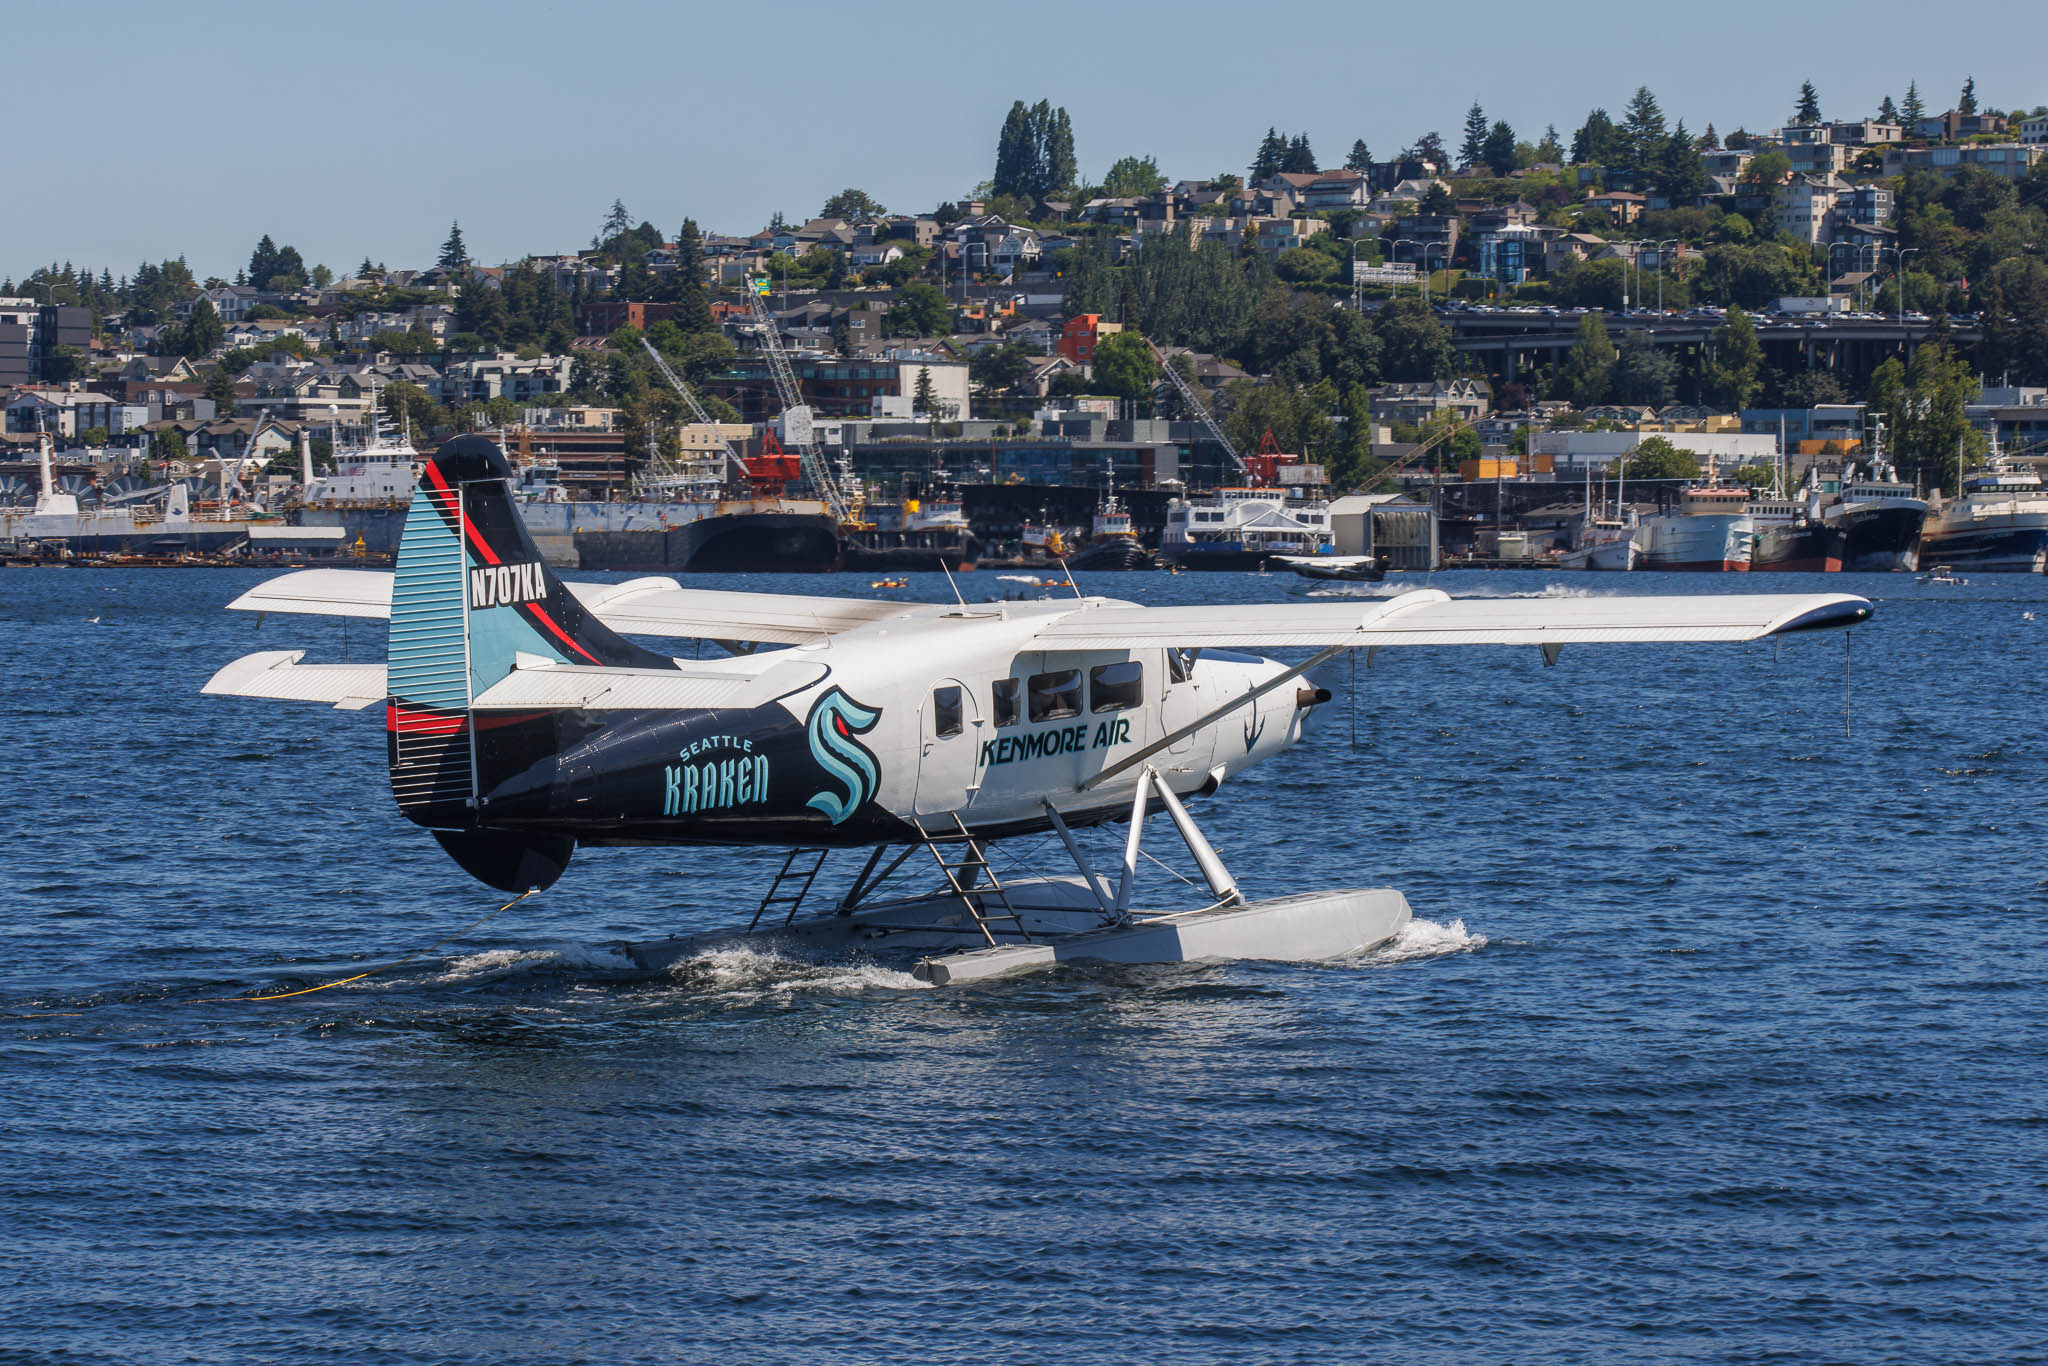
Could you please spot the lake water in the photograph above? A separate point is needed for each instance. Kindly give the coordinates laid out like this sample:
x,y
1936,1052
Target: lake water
x,y
1719,1035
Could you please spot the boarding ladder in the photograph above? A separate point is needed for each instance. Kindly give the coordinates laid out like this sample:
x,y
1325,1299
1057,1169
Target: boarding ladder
x,y
964,875
793,875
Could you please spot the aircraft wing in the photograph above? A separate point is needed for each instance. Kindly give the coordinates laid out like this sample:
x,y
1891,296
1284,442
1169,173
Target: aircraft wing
x,y
1431,617
642,607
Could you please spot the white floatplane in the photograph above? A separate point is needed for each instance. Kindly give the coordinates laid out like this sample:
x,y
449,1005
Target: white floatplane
x,y
522,722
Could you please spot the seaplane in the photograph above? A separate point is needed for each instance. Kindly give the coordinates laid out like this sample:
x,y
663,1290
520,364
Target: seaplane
x,y
525,718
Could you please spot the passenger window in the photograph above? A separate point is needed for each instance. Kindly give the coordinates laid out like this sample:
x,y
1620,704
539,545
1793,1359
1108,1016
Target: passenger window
x,y
946,711
1002,696
1116,687
1056,695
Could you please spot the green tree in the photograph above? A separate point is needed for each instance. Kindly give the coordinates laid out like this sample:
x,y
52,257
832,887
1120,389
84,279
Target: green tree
x,y
1436,200
998,369
1738,359
1133,177
1656,458
1642,128
168,443
1414,344
322,277
1643,374
1678,173
1472,150
203,331
1300,158
1598,142
2013,301
1272,152
1766,171
617,223
454,255
1498,149
1125,366
924,400
1550,152
1912,109
1061,170
1966,103
1588,371
1807,111
1014,153
856,206
1304,265
220,387
1359,159
920,310
1887,112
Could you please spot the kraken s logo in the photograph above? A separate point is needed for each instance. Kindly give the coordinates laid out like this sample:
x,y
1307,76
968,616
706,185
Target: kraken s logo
x,y
1254,727
834,721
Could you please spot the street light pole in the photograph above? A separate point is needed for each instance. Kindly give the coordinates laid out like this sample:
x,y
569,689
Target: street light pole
x,y
1900,279
1660,271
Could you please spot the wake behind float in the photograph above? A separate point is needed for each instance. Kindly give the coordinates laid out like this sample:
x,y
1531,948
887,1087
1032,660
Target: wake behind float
x,y
522,722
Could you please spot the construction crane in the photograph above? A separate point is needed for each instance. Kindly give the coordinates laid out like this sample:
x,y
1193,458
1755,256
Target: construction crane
x,y
735,465
1194,404
796,414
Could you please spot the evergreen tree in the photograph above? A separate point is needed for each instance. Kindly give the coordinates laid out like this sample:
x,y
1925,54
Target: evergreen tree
x,y
454,255
1738,359
1014,153
1359,159
1062,170
1887,112
1912,109
1300,158
924,400
1807,111
1642,128
1430,148
617,223
365,270
1598,141
1710,141
690,253
1966,103
263,262
1473,149
1498,151
1679,174
1272,152
1588,371
1550,151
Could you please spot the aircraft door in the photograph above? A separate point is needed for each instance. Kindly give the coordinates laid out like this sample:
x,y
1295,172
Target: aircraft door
x,y
1182,700
949,728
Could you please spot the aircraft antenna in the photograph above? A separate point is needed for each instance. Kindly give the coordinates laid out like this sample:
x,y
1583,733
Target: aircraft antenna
x,y
952,585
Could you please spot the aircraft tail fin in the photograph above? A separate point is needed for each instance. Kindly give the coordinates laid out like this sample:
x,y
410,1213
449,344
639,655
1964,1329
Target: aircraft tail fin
x,y
471,594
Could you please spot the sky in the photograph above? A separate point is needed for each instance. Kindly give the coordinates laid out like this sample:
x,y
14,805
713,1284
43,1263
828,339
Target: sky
x,y
362,130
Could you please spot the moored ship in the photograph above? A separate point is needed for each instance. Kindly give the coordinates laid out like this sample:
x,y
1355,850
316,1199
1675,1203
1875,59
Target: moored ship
x,y
1710,532
1998,524
1880,517
1793,537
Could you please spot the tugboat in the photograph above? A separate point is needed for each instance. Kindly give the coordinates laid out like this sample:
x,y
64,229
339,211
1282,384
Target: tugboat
x,y
1111,542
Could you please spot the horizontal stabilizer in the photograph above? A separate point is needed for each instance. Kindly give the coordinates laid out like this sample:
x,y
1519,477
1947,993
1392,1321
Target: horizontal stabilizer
x,y
278,674
642,607
574,687
1431,617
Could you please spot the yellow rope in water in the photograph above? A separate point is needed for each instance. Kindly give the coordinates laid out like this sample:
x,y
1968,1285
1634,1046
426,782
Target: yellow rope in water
x,y
324,986
381,967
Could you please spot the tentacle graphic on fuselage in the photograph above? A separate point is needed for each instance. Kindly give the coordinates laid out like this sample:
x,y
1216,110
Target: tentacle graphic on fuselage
x,y
834,721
